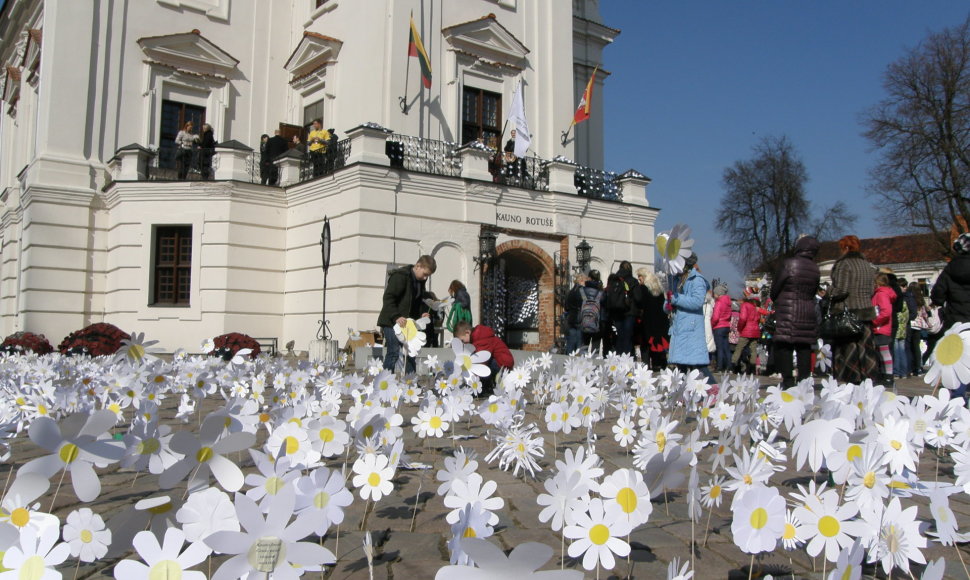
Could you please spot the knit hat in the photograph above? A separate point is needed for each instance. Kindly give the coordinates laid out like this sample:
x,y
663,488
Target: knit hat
x,y
961,245
720,289
690,261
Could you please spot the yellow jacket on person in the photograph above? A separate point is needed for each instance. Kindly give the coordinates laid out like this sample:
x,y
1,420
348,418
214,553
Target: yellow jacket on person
x,y
318,140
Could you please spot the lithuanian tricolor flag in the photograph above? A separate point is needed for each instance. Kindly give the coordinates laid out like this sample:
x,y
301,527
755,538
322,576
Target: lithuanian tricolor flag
x,y
416,48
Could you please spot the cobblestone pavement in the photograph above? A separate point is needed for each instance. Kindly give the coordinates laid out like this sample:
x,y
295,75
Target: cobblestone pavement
x,y
417,549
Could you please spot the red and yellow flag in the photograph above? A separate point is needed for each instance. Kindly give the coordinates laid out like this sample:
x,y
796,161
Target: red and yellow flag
x,y
582,112
416,48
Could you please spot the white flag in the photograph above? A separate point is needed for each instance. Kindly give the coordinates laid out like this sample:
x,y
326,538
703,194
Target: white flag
x,y
523,139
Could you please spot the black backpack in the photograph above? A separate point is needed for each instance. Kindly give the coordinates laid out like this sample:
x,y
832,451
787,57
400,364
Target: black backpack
x,y
618,301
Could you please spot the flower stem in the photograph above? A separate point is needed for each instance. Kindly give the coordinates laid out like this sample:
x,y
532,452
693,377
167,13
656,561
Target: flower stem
x,y
59,482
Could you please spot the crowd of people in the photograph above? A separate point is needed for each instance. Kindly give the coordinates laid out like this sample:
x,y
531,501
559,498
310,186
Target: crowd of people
x,y
694,325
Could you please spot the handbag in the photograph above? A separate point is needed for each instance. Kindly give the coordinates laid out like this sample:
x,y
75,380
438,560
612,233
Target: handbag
x,y
843,325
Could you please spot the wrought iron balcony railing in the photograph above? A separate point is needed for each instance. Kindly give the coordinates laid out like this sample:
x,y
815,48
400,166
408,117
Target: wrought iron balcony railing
x,y
424,155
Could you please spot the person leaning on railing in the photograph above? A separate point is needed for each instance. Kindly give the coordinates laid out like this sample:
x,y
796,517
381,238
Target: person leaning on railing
x,y
318,139
207,148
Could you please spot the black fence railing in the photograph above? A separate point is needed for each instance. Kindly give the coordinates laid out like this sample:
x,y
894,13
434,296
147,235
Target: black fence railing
x,y
524,172
319,164
171,164
424,155
597,184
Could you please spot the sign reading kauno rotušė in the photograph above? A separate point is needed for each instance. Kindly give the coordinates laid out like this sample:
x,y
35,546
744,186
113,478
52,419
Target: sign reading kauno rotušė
x,y
516,219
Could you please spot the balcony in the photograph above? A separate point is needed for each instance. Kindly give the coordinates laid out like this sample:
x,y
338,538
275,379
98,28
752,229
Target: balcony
x,y
371,143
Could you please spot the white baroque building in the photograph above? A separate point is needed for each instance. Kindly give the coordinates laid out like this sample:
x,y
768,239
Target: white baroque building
x,y
95,229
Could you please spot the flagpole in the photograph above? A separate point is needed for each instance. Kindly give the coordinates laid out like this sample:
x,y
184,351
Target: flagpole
x,y
403,101
565,134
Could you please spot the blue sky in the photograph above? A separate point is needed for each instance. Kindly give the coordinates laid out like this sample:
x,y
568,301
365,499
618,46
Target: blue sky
x,y
695,85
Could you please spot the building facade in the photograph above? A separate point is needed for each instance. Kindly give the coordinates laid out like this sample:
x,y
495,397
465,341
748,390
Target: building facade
x,y
95,228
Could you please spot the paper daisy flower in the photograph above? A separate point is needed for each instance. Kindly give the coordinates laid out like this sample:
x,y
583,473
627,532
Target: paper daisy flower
x,y
271,546
894,439
323,495
411,335
565,495
147,446
677,572
456,468
469,362
491,563
792,536
18,508
292,441
849,564
373,476
473,523
674,248
624,432
204,454
205,513
899,539
823,357
950,360
273,476
136,350
85,533
759,520
75,445
596,534
827,525
625,488
429,423
712,493
167,560
35,556
470,491
156,514
328,436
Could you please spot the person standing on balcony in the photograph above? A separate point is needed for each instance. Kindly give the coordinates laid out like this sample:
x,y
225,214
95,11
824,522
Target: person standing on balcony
x,y
298,146
275,146
185,143
403,299
207,148
319,139
264,162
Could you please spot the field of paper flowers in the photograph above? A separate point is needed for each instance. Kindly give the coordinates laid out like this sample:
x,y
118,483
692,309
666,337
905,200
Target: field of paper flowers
x,y
252,465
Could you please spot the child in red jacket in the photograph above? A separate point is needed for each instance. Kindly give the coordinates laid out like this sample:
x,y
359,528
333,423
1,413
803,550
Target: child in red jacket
x,y
883,299
483,338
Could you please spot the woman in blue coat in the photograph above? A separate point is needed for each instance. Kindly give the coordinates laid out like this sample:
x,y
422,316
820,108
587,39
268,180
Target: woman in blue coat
x,y
688,344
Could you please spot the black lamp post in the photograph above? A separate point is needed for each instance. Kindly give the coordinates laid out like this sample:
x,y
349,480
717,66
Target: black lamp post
x,y
323,333
584,254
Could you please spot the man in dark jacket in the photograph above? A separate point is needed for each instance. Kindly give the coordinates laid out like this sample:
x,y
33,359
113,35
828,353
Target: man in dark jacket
x,y
574,307
403,299
796,327
625,320
275,146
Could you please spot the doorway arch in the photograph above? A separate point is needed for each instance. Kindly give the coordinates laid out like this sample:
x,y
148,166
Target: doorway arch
x,y
528,281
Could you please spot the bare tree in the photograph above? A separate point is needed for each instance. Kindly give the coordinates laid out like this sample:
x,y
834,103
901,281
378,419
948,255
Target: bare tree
x,y
922,132
764,207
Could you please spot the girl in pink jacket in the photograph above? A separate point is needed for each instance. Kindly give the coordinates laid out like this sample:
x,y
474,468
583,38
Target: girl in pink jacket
x,y
882,300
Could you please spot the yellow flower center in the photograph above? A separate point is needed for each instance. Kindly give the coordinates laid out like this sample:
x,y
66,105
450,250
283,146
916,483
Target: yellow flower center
x,y
787,397
292,444
493,408
949,349
661,439
789,533
869,480
68,453
274,485
715,492
204,454
747,479
20,517
166,570
374,479
759,518
896,445
148,446
321,500
627,498
599,534
86,536
853,452
469,533
828,526
434,422
326,435
33,568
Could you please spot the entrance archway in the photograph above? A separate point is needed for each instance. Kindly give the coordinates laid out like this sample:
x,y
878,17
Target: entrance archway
x,y
527,312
